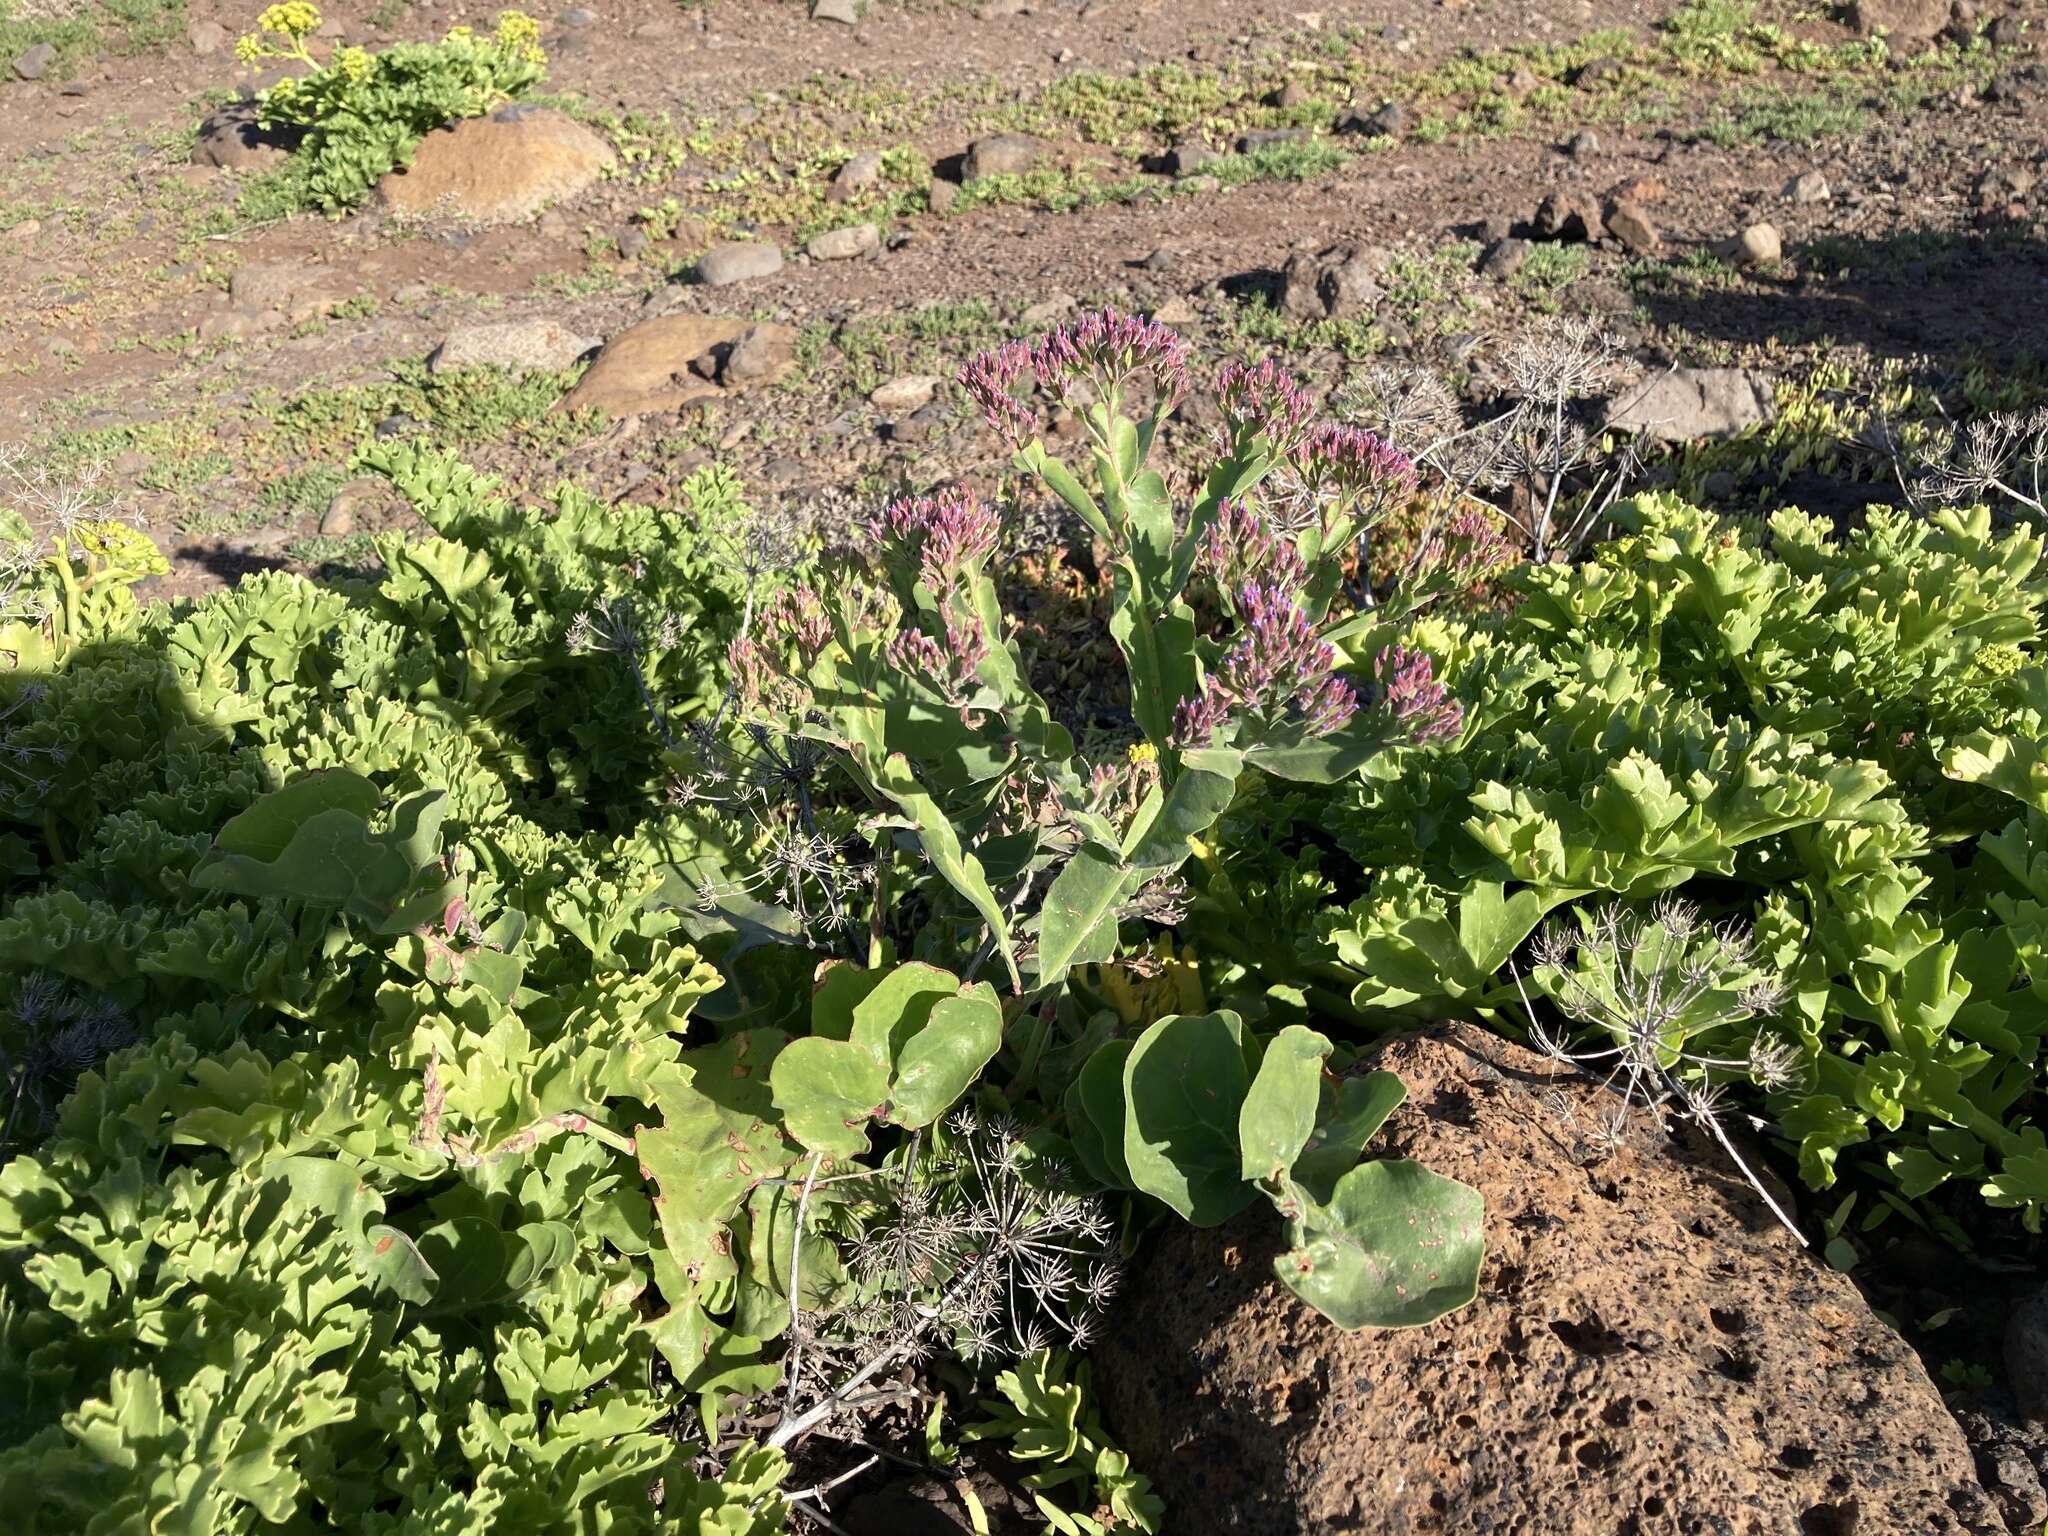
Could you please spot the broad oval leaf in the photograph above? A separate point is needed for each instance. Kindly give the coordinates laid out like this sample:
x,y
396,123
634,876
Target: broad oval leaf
x,y
1396,1247
1184,1087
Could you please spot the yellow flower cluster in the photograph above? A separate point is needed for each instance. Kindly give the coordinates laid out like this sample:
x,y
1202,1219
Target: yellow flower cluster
x,y
294,19
520,33
355,65
1141,753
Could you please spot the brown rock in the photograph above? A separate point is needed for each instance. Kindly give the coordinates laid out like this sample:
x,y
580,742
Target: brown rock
x,y
1650,1352
647,367
297,290
1647,190
1568,216
1631,225
352,501
498,169
760,354
232,140
1908,20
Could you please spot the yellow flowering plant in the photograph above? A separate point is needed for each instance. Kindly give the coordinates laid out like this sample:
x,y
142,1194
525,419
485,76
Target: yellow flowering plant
x,y
362,114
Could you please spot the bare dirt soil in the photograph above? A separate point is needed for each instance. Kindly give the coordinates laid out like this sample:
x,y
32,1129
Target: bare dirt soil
x,y
1912,244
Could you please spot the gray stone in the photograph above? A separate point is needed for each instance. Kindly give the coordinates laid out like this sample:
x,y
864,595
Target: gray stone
x,y
296,290
2026,1356
34,62
738,262
1187,158
1583,143
999,154
845,12
233,140
1759,246
848,244
1263,138
858,175
1684,404
1389,120
759,354
545,346
901,396
942,194
206,38
1350,285
632,242
1808,187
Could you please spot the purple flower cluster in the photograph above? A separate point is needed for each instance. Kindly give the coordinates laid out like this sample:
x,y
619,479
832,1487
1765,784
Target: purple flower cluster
x,y
1278,671
1468,549
991,379
795,618
1263,401
1418,702
949,665
1243,547
945,534
1106,348
1356,467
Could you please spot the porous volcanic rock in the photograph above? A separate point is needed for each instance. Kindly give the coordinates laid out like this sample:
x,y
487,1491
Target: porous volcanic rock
x,y
1650,1353
664,364
498,169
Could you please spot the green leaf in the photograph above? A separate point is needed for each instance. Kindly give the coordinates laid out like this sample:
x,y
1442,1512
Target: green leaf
x,y
1202,792
1279,1113
1184,1088
960,869
942,1060
1095,1109
265,830
1395,1247
1077,922
1351,1114
827,1091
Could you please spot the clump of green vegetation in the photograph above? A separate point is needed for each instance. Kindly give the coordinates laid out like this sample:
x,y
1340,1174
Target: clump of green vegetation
x,y
77,29
362,114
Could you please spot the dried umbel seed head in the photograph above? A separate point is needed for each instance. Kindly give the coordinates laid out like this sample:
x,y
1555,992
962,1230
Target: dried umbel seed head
x,y
1243,547
1106,349
1410,407
1560,358
1263,401
1420,705
1654,988
991,382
